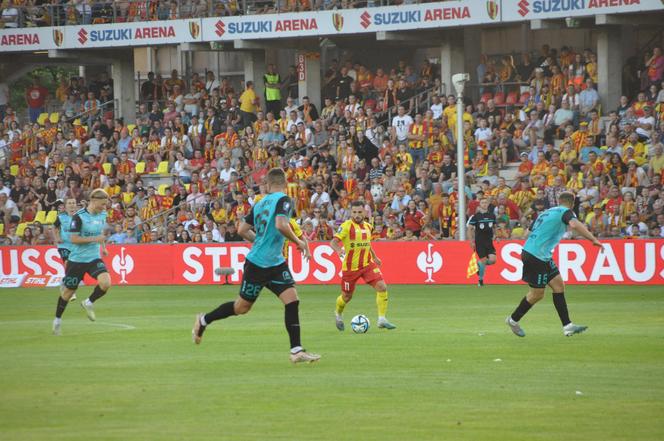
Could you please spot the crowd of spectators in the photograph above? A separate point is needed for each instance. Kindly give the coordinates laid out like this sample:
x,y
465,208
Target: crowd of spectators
x,y
188,172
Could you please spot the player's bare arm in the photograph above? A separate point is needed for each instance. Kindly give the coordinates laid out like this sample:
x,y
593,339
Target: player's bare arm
x,y
78,240
246,231
581,229
471,236
338,247
283,225
375,257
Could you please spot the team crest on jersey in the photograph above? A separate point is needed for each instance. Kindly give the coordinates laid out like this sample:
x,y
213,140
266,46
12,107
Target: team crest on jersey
x,y
492,9
481,226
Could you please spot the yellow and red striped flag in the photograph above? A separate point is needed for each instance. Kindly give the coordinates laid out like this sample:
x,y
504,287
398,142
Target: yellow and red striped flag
x,y
473,267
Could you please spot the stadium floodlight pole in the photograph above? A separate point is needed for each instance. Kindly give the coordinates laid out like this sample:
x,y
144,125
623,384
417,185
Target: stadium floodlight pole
x,y
459,81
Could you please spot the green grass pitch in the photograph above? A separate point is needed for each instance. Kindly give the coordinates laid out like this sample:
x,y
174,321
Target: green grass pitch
x,y
451,371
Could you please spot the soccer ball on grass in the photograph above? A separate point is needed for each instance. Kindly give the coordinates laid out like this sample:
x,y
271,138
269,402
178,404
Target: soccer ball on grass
x,y
360,324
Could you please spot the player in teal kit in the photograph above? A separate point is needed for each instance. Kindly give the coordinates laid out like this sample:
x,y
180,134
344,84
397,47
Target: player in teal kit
x,y
62,233
87,238
266,225
539,269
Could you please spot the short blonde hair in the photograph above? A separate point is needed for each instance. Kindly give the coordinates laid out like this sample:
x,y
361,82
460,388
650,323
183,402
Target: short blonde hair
x,y
99,193
276,176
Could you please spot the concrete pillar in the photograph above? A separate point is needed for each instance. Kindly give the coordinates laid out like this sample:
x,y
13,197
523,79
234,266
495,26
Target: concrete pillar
x,y
309,84
451,59
472,48
609,66
254,70
124,86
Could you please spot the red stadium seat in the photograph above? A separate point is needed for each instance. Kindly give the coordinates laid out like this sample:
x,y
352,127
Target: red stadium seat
x,y
523,99
511,98
486,96
499,99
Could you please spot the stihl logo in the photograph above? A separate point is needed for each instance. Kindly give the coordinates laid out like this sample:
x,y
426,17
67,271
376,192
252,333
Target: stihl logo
x,y
221,28
82,36
36,281
523,8
365,20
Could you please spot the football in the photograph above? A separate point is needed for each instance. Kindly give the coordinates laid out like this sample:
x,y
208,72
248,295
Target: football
x,y
360,324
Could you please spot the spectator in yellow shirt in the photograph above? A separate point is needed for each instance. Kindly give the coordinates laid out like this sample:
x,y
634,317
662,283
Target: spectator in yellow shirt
x,y
248,105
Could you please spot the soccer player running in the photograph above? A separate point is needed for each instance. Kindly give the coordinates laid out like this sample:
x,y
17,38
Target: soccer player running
x,y
267,226
540,270
352,242
480,233
62,233
87,238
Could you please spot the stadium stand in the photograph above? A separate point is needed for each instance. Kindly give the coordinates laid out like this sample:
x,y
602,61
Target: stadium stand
x,y
189,172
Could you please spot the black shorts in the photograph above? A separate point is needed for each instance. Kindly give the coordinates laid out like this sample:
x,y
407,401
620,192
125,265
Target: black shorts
x,y
254,278
483,248
76,270
64,254
537,273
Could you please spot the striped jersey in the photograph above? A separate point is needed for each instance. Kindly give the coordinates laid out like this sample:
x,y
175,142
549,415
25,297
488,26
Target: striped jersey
x,y
298,233
356,239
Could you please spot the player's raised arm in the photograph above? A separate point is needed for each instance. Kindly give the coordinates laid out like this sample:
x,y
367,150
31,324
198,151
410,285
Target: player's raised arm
x,y
581,229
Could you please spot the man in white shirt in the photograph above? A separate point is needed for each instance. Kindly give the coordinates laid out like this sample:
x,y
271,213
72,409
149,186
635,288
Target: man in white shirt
x,y
10,15
168,139
645,123
293,120
320,198
437,107
353,106
226,172
482,133
401,124
400,200
93,144
290,106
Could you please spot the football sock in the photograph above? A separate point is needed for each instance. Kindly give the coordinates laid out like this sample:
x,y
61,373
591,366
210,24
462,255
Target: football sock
x,y
381,303
62,304
341,304
521,310
481,267
96,294
224,310
561,306
292,320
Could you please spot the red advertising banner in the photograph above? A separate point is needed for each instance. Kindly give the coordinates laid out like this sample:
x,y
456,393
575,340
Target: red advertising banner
x,y
442,262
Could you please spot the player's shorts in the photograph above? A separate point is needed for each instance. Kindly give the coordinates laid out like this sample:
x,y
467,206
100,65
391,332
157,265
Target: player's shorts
x,y
254,278
64,254
76,270
484,248
537,273
370,274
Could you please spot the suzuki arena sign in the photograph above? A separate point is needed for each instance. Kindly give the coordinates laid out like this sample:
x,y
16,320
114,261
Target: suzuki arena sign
x,y
518,10
132,34
623,262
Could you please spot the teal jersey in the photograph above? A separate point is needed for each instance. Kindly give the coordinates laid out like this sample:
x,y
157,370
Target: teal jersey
x,y
63,222
266,251
86,224
547,231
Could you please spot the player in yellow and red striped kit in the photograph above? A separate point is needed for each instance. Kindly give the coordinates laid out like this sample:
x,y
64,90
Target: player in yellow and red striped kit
x,y
352,242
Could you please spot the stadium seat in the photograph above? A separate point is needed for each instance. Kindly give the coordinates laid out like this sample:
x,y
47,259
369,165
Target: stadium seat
x,y
523,99
42,118
107,166
511,98
55,117
162,189
162,168
13,170
499,99
140,167
130,128
41,217
20,229
51,217
187,187
2,229
486,96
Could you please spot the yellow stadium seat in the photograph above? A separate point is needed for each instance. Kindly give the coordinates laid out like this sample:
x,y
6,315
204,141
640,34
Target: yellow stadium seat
x,y
51,217
187,187
42,118
13,170
162,189
130,128
140,167
107,166
162,168
41,217
55,117
2,229
21,229
77,122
